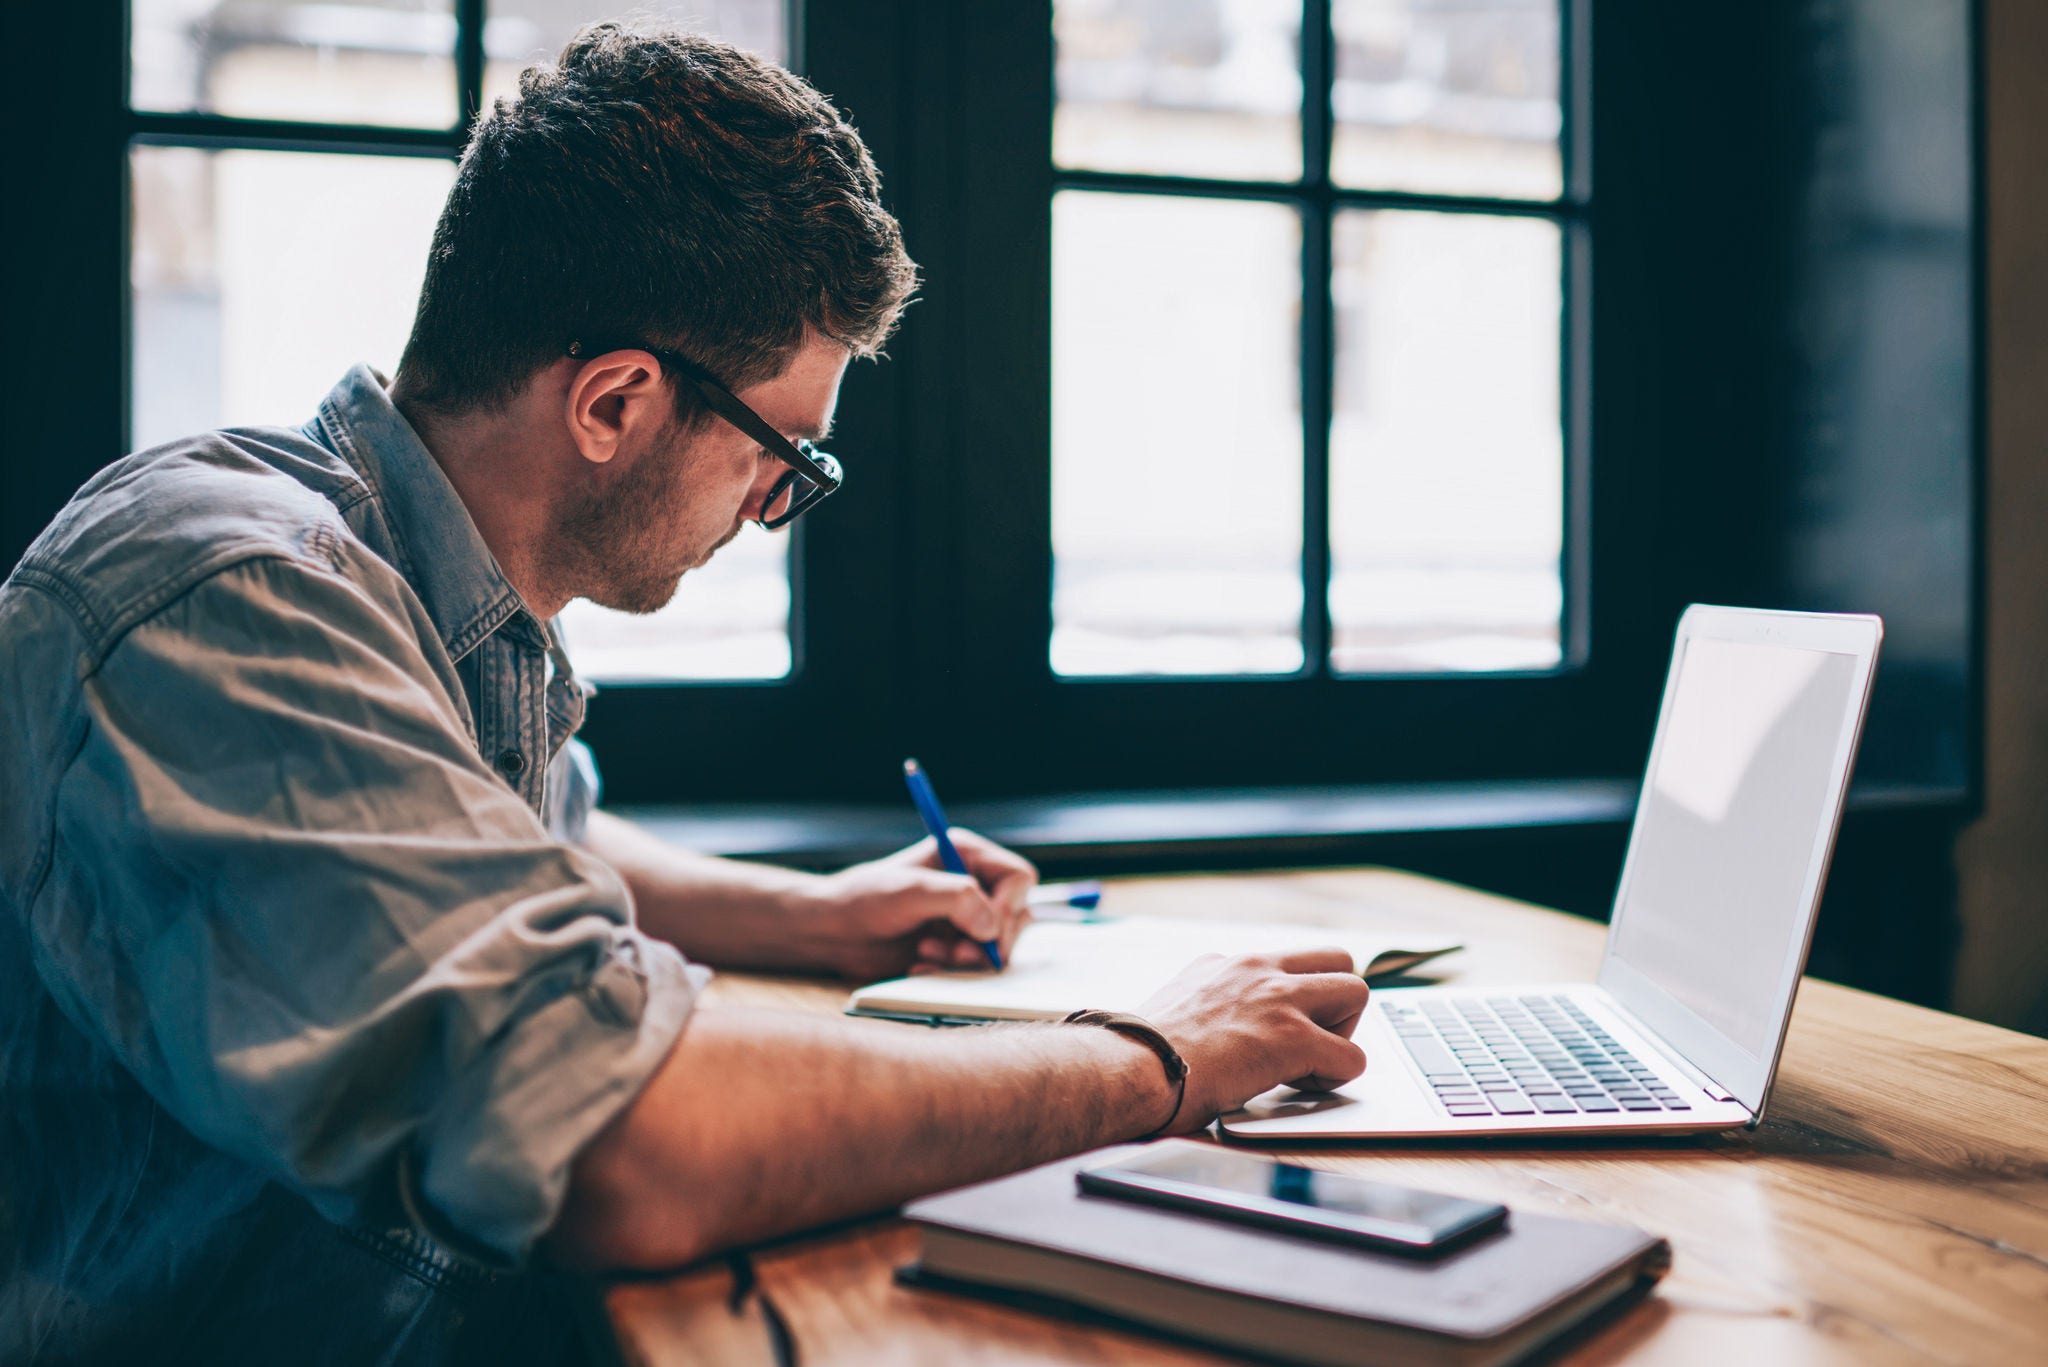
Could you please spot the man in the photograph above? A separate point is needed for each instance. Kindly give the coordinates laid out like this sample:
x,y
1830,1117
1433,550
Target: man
x,y
335,1021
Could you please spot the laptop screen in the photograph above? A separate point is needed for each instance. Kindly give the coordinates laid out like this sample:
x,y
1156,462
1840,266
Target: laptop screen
x,y
1734,816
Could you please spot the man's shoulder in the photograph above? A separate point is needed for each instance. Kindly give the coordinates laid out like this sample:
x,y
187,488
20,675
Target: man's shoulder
x,y
152,525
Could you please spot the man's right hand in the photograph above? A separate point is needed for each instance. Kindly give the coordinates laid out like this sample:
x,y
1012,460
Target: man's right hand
x,y
1248,1024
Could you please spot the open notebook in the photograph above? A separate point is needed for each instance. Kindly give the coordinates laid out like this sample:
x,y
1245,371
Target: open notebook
x,y
1059,967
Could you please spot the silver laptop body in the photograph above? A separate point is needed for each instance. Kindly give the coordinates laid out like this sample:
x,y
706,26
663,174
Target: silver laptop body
x,y
1712,921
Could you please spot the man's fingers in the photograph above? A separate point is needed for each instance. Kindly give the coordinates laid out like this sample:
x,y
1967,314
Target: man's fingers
x,y
1012,892
1333,1062
1322,959
1331,1000
989,861
953,898
975,916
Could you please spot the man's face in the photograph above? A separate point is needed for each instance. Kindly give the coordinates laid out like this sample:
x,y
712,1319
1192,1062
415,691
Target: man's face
x,y
674,502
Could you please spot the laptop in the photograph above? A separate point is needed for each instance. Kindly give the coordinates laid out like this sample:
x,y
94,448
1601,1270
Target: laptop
x,y
1712,920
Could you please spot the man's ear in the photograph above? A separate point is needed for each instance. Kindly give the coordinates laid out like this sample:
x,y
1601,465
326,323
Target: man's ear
x,y
613,399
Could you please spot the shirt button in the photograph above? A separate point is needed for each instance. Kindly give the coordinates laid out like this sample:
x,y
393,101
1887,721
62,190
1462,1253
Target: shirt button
x,y
511,763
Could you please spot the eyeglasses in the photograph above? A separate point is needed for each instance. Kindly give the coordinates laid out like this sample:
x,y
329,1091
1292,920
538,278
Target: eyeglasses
x,y
812,474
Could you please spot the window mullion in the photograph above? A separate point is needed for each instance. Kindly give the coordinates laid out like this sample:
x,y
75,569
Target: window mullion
x,y
1318,333
469,64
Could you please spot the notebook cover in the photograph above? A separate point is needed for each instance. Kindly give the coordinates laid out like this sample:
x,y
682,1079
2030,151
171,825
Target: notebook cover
x,y
1483,1291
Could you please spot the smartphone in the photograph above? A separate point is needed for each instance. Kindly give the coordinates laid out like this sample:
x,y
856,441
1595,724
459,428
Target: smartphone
x,y
1296,1200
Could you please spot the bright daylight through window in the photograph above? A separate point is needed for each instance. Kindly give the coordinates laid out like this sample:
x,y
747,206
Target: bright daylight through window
x,y
1306,338
232,251
1235,248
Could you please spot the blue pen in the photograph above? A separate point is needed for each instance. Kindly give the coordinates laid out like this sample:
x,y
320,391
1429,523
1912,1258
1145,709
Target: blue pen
x,y
934,817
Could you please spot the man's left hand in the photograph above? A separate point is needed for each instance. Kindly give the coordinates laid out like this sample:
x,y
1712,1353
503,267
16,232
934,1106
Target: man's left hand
x,y
905,914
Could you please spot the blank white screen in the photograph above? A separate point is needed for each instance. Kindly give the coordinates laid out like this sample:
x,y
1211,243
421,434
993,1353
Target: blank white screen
x,y
1727,830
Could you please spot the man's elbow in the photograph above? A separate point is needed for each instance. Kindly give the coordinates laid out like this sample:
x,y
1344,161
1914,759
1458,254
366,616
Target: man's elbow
x,y
619,1216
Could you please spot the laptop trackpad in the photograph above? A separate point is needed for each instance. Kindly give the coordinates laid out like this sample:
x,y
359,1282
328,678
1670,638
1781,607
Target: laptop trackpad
x,y
1382,1099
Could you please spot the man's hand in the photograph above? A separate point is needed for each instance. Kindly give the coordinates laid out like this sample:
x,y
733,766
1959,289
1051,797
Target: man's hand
x,y
871,921
1245,1025
905,913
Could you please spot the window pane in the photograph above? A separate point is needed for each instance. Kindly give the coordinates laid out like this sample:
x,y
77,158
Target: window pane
x,y
1179,87
258,278
1176,460
1452,99
386,62
523,32
729,620
1446,455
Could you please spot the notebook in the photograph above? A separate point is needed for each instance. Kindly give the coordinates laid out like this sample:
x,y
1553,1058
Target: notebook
x,y
1034,1240
1058,967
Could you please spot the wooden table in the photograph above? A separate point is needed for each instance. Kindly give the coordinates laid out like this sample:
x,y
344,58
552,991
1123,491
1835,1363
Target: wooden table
x,y
1893,1207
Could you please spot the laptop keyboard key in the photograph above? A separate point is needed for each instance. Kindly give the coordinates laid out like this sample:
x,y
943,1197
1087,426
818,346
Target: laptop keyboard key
x,y
1553,1104
1639,1104
1514,1105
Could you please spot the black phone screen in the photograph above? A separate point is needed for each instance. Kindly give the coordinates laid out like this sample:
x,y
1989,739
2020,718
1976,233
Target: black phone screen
x,y
1303,1200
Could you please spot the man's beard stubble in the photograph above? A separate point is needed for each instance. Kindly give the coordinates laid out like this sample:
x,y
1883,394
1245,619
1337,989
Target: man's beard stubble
x,y
613,542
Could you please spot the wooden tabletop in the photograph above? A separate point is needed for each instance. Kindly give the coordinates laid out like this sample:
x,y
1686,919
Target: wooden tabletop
x,y
1893,1206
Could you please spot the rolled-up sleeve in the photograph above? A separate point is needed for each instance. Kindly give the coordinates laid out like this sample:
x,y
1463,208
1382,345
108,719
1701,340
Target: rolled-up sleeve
x,y
290,898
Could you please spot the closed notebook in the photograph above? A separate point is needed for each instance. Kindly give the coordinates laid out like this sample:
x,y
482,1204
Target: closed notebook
x,y
1059,967
1034,1239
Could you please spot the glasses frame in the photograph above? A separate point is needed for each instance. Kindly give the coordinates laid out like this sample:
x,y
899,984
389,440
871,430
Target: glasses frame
x,y
805,460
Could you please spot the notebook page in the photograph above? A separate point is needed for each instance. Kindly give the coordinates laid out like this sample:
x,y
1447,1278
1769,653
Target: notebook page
x,y
1061,966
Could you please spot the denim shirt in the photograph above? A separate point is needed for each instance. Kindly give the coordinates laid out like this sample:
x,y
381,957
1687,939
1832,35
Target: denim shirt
x,y
308,997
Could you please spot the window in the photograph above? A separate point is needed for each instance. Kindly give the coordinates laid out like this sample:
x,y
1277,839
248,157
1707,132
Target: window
x,y
1239,436
287,163
1308,338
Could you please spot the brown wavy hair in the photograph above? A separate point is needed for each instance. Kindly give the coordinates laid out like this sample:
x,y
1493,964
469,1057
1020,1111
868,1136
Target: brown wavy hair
x,y
659,188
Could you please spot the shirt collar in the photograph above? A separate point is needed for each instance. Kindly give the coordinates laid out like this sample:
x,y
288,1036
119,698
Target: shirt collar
x,y
439,550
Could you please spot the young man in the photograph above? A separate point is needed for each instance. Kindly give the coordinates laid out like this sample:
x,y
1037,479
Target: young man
x,y
333,1016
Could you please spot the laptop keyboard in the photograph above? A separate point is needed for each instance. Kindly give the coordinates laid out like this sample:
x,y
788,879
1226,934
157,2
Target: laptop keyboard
x,y
1536,1055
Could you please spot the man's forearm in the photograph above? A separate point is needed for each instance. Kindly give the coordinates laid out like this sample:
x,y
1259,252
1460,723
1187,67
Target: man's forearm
x,y
764,1122
717,911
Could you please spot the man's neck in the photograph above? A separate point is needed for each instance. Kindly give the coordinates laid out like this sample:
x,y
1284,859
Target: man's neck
x,y
498,480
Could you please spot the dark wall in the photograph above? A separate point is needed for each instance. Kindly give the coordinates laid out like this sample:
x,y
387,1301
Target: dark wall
x,y
1876,359
2003,973
60,278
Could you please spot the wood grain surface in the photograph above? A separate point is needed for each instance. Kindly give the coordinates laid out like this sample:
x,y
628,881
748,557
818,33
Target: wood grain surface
x,y
1893,1206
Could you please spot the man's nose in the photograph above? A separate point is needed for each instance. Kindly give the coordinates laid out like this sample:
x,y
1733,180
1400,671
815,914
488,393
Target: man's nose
x,y
763,488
